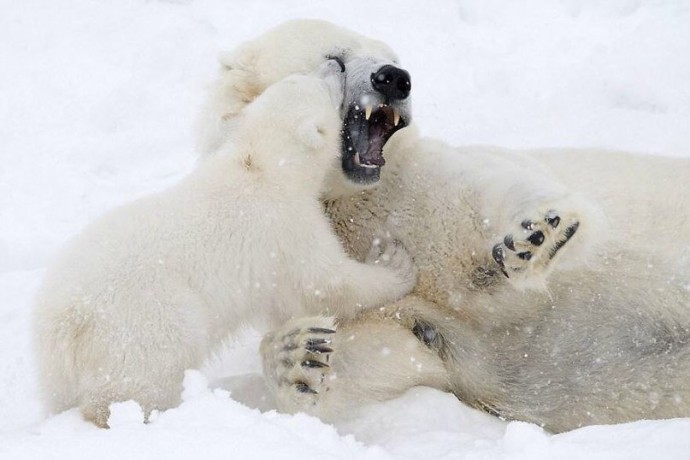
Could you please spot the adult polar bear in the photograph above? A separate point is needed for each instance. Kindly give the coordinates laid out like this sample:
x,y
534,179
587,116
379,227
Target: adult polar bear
x,y
520,319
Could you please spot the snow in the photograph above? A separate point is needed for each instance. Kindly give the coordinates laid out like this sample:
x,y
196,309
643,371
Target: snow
x,y
97,107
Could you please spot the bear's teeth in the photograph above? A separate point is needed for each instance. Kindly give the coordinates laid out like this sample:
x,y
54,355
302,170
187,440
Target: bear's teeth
x,y
358,162
367,112
396,117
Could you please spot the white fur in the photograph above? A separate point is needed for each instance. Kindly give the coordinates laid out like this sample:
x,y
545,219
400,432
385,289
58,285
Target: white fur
x,y
530,346
151,288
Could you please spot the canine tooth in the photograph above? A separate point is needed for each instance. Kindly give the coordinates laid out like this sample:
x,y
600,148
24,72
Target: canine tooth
x,y
367,113
357,161
396,117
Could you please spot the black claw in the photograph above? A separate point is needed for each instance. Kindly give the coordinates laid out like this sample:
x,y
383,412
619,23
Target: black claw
x,y
526,224
320,330
536,238
525,255
498,255
313,364
292,333
318,348
508,241
304,388
553,219
503,270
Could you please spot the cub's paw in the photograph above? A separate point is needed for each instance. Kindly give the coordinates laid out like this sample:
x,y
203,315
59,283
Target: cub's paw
x,y
532,250
390,253
296,362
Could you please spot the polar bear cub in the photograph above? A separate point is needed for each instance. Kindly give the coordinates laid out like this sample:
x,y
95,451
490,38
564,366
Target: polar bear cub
x,y
150,289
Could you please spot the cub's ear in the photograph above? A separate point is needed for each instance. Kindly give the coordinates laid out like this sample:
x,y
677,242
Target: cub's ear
x,y
312,132
237,86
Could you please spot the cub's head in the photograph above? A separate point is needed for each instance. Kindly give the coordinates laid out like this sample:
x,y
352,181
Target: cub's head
x,y
376,91
292,129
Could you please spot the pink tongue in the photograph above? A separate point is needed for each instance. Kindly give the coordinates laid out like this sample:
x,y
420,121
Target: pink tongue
x,y
373,154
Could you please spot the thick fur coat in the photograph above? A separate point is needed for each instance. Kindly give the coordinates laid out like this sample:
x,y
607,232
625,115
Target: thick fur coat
x,y
152,288
553,285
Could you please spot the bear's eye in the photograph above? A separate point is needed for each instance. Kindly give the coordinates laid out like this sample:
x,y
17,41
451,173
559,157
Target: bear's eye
x,y
338,60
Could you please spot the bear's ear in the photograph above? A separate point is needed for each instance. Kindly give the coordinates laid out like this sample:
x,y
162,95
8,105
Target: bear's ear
x,y
237,86
242,57
312,133
226,59
239,72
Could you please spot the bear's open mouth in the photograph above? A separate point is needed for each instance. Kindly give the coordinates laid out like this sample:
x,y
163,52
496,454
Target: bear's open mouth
x,y
365,131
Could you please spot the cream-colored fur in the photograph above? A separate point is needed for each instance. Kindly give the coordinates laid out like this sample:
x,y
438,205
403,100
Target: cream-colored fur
x,y
151,288
255,65
607,340
596,332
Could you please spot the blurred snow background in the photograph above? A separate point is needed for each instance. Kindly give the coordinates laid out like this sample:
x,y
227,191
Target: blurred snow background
x,y
97,104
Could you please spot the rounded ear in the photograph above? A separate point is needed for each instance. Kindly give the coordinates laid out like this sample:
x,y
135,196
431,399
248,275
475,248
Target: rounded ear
x,y
237,86
312,132
242,57
226,59
315,133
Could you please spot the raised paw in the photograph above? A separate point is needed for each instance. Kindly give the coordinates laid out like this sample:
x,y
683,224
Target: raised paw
x,y
296,362
533,248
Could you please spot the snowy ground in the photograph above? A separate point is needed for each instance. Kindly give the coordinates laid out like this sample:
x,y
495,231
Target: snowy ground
x,y
97,102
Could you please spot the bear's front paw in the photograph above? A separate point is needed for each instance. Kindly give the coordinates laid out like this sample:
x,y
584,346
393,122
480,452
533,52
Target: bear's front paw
x,y
391,253
296,359
532,250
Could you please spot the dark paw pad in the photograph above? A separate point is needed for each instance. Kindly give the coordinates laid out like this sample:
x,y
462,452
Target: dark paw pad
x,y
553,219
543,238
536,238
498,254
524,255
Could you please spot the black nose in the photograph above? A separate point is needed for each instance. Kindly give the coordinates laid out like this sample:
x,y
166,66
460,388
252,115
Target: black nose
x,y
392,82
